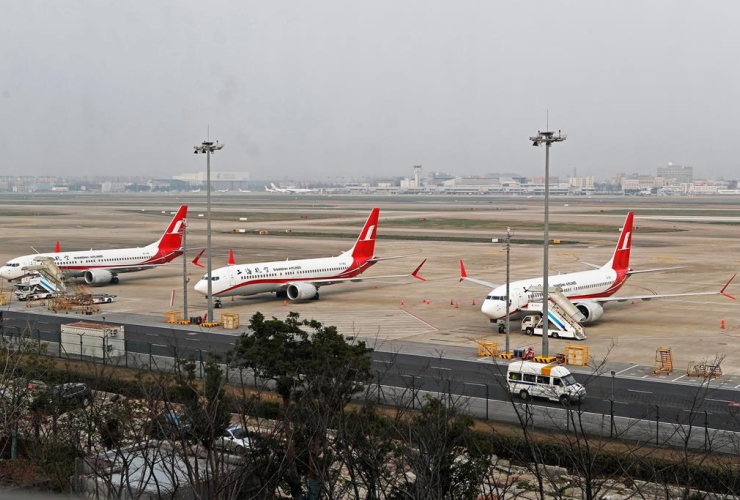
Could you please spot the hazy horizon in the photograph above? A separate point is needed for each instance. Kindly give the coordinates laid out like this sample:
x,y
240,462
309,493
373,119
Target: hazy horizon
x,y
328,89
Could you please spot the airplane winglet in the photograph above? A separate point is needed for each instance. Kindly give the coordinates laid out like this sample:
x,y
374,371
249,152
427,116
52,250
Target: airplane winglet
x,y
196,260
463,274
725,288
415,274
231,257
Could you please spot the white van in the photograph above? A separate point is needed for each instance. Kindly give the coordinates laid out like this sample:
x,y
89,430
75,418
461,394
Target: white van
x,y
554,382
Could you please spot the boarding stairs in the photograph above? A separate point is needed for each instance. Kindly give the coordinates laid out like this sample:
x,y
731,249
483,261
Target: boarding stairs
x,y
562,314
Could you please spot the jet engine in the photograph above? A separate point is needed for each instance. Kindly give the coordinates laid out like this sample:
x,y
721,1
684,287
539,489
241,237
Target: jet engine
x,y
591,310
302,291
98,276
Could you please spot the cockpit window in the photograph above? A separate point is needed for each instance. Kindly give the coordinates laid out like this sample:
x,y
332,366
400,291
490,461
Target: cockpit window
x,y
496,297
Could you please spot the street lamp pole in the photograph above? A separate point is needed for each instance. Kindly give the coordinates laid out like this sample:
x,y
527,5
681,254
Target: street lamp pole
x,y
546,138
508,300
208,147
184,270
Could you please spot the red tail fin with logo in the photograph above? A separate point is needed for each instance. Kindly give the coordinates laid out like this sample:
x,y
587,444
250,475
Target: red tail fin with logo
x,y
171,240
621,258
365,246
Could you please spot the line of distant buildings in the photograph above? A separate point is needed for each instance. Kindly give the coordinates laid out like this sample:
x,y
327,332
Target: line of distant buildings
x,y
670,180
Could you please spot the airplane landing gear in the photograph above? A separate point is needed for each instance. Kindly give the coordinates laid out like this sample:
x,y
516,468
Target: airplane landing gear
x,y
114,280
217,304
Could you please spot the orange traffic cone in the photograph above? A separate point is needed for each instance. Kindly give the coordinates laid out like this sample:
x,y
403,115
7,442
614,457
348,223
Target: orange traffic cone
x,y
457,306
633,302
451,302
402,302
376,287
285,302
722,324
473,302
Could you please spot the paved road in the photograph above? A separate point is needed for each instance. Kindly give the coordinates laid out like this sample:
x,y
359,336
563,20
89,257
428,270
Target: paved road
x,y
630,397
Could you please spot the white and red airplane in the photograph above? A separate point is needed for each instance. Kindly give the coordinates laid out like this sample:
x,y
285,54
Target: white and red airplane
x,y
588,290
103,266
300,279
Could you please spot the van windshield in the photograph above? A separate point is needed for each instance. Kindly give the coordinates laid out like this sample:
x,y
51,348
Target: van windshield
x,y
569,380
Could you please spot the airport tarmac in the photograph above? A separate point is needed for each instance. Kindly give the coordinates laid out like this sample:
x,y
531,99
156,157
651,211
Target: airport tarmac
x,y
700,235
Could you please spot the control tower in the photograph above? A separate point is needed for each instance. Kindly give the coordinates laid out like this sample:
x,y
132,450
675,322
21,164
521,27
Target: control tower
x,y
417,176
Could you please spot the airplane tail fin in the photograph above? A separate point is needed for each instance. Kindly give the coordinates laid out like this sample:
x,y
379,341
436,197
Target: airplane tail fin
x,y
621,258
171,240
364,248
57,248
232,262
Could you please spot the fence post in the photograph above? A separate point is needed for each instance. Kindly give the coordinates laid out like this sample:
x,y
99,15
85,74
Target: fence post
x,y
150,356
706,431
413,392
449,393
486,401
125,352
200,357
378,373
611,418
104,351
657,425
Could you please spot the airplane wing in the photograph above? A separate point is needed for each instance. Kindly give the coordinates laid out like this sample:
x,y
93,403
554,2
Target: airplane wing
x,y
632,271
378,259
464,276
667,295
358,279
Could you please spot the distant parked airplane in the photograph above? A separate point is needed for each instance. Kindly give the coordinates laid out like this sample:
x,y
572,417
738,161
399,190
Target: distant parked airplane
x,y
291,190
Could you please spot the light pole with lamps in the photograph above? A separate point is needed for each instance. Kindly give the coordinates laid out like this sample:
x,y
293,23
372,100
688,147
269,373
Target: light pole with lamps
x,y
208,147
508,299
546,138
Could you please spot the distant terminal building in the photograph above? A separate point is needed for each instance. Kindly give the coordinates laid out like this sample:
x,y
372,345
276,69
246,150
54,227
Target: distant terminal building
x,y
232,181
581,182
676,174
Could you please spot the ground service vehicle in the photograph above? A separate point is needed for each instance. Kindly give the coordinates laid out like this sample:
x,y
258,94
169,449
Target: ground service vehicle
x,y
554,382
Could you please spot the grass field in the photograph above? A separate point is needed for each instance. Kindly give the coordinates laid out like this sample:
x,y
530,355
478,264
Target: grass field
x,y
251,216
405,237
555,227
677,212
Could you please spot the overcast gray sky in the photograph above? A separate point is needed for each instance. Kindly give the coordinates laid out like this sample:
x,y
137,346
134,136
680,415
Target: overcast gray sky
x,y
341,88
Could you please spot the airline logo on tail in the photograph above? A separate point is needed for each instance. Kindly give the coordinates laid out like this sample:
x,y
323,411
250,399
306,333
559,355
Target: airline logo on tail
x,y
171,240
620,261
364,248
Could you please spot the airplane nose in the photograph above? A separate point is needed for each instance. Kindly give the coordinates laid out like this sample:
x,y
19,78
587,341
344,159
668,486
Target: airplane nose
x,y
493,309
202,287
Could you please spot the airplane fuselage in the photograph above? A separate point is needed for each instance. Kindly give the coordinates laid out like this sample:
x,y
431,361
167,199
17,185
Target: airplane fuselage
x,y
251,279
77,263
583,285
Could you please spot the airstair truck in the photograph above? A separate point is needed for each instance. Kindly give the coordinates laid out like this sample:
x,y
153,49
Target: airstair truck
x,y
564,318
35,287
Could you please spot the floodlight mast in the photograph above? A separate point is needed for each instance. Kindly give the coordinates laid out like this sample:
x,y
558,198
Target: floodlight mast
x,y
208,147
546,138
